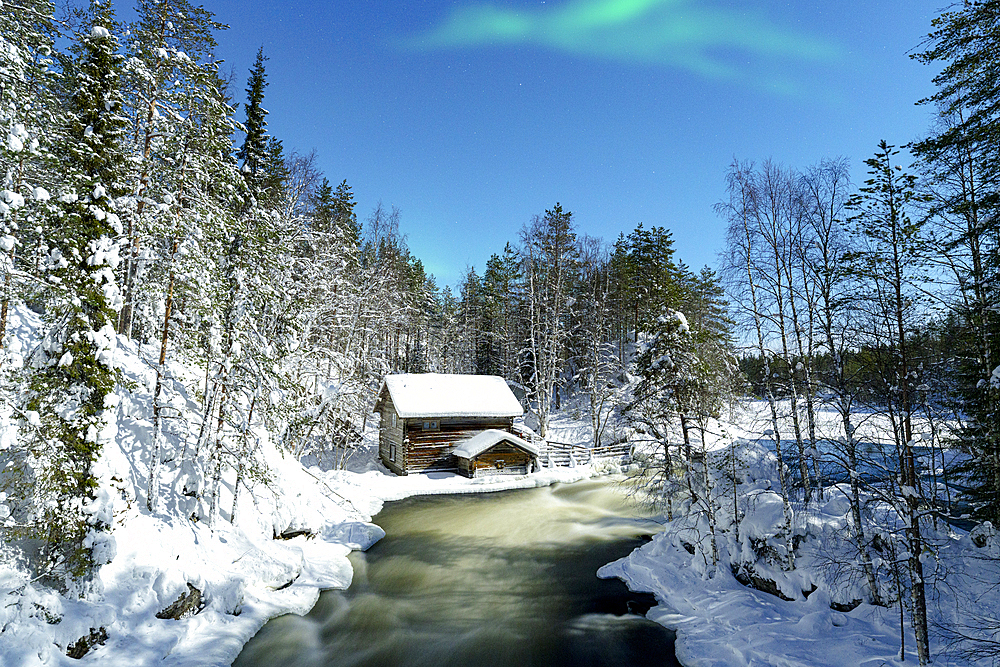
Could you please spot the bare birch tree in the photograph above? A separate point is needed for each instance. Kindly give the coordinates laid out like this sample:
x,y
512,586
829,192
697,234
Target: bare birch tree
x,y
744,269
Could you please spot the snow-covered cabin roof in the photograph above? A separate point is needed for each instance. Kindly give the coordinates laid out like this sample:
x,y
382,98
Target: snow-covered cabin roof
x,y
417,395
480,442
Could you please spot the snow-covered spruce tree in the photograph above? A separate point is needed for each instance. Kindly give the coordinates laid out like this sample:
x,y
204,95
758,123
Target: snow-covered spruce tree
x,y
335,260
396,294
652,412
484,302
642,279
687,375
667,365
71,377
343,218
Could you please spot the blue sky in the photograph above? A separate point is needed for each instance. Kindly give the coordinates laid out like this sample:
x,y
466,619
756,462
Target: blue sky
x,y
473,116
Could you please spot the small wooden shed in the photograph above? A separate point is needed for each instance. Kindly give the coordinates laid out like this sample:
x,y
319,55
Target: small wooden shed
x,y
495,452
426,416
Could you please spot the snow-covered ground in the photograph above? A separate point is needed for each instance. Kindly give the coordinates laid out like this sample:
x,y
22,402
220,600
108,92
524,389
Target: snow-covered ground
x,y
245,575
248,577
721,622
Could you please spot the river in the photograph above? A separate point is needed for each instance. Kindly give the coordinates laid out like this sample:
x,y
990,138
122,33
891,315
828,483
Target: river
x,y
483,579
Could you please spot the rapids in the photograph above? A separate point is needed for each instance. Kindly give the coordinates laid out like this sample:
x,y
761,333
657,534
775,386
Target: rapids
x,y
486,579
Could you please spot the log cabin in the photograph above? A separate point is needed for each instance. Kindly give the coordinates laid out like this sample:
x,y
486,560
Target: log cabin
x,y
425,417
494,452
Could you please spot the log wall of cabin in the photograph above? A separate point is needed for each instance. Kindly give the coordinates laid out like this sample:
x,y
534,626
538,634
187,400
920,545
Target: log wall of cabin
x,y
486,463
389,435
502,451
430,450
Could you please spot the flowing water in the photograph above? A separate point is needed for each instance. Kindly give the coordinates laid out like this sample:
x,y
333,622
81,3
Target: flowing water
x,y
488,579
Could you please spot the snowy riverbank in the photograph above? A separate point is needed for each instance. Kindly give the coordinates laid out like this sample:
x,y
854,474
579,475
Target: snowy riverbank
x,y
244,575
814,614
722,623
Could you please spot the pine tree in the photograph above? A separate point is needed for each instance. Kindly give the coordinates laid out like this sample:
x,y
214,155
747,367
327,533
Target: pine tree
x,y
181,198
655,279
962,161
324,212
549,256
475,348
889,260
256,314
495,292
595,354
166,77
502,305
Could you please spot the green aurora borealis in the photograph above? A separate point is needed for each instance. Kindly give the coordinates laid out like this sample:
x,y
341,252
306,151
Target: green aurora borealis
x,y
709,41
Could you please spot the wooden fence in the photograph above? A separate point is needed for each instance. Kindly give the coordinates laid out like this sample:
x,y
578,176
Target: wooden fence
x,y
553,454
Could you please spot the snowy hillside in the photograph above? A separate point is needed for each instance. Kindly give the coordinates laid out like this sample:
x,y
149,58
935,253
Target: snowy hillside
x,y
243,574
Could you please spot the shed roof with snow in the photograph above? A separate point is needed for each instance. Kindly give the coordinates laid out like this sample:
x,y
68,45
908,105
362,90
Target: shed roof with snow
x,y
480,442
417,395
